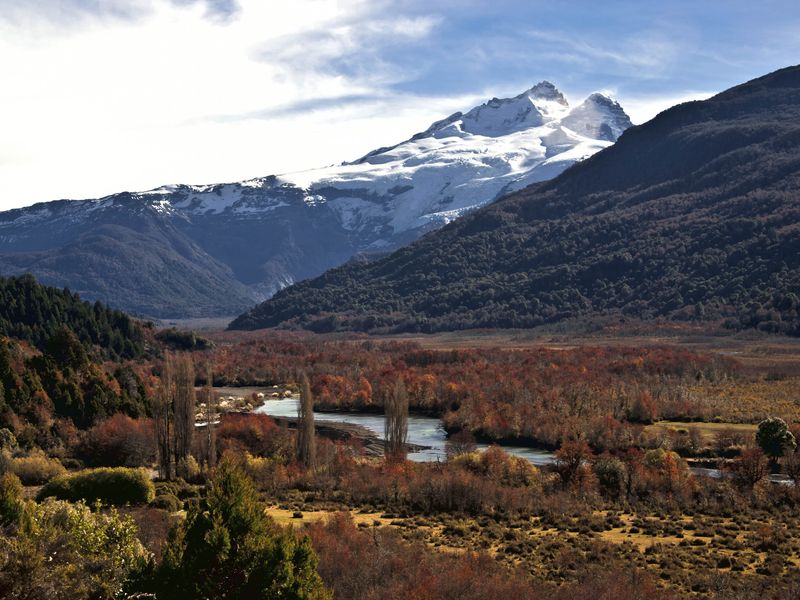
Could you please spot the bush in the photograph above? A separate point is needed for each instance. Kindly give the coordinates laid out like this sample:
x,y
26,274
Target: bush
x,y
253,433
66,550
268,474
611,475
119,441
168,502
177,487
109,485
36,469
72,464
188,469
10,499
7,440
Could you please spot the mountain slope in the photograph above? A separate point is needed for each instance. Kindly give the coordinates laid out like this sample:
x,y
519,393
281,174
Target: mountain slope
x,y
35,313
695,214
190,251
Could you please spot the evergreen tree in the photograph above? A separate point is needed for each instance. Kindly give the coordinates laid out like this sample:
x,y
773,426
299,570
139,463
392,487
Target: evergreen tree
x,y
66,349
35,313
229,548
774,437
11,503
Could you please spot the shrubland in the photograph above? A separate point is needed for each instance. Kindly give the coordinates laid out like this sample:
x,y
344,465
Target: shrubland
x,y
620,513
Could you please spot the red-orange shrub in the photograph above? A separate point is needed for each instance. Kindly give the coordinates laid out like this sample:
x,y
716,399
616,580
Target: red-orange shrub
x,y
119,441
379,565
257,434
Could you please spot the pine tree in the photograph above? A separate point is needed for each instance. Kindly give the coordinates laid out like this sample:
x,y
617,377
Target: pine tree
x,y
229,548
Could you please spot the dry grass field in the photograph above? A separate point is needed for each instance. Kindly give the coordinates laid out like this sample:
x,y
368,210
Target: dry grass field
x,y
691,553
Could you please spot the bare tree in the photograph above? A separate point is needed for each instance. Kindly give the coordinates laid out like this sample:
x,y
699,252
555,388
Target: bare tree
x,y
460,443
395,424
751,467
184,406
791,462
211,415
163,417
306,443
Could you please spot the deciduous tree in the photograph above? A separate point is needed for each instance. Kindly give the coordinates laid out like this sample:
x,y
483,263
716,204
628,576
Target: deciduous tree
x,y
750,468
184,409
306,442
396,421
211,416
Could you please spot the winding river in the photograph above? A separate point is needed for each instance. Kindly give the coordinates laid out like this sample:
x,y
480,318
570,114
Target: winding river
x,y
422,431
428,432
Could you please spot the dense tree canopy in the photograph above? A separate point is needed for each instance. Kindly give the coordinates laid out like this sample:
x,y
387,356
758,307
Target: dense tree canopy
x,y
35,313
63,382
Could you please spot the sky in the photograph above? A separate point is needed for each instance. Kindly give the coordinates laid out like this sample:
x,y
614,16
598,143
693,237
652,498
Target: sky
x,y
102,96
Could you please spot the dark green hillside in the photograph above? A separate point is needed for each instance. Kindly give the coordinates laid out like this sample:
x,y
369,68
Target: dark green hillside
x,y
65,379
34,313
693,215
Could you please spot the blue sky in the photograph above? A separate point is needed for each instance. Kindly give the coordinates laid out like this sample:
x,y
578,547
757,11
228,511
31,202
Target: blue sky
x,y
102,96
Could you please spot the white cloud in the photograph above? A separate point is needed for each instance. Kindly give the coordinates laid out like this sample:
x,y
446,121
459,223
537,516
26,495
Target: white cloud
x,y
98,97
131,101
648,53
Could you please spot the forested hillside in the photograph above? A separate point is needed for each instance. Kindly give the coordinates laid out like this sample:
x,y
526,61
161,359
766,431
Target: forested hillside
x,y
34,313
694,215
60,383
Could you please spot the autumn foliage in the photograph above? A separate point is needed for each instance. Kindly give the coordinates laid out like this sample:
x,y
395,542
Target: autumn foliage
x,y
379,565
257,434
542,395
119,441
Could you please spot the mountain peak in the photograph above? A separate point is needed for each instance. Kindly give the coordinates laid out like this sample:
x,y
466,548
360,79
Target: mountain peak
x,y
636,217
541,104
501,116
546,91
603,100
598,117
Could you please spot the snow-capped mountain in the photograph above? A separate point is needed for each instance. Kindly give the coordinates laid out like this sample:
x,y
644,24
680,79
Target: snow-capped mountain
x,y
208,250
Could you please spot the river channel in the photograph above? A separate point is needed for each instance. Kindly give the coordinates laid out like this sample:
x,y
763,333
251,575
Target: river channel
x,y
422,431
